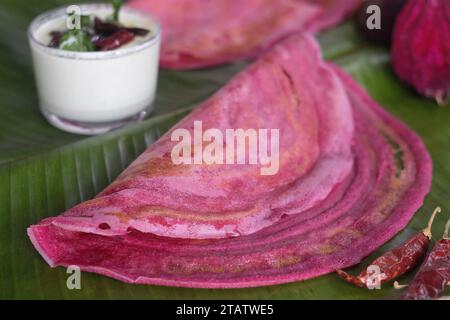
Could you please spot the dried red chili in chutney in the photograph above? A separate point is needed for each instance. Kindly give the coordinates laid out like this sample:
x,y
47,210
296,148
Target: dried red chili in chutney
x,y
434,274
397,261
115,40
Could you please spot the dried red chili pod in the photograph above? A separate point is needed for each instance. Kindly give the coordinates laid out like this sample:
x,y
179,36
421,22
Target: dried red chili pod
x,y
395,262
434,274
56,37
108,28
105,28
138,31
114,41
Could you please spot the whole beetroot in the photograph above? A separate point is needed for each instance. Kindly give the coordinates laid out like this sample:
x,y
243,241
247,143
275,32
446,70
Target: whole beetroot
x,y
421,47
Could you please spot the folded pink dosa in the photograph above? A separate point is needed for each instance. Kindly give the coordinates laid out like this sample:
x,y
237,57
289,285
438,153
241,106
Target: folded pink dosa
x,y
351,176
202,33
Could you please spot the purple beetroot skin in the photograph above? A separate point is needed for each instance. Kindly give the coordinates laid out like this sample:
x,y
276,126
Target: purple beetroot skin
x,y
421,47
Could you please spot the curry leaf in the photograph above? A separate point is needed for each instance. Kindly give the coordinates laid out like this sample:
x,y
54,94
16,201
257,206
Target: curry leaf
x,y
76,40
117,5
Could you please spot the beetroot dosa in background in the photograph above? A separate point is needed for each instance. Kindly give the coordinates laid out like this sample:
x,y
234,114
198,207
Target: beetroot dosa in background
x,y
198,33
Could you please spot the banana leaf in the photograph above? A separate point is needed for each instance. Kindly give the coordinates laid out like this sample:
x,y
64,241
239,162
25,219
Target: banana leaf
x,y
44,171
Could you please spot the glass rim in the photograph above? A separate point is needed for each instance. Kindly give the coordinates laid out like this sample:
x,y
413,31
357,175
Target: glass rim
x,y
92,55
